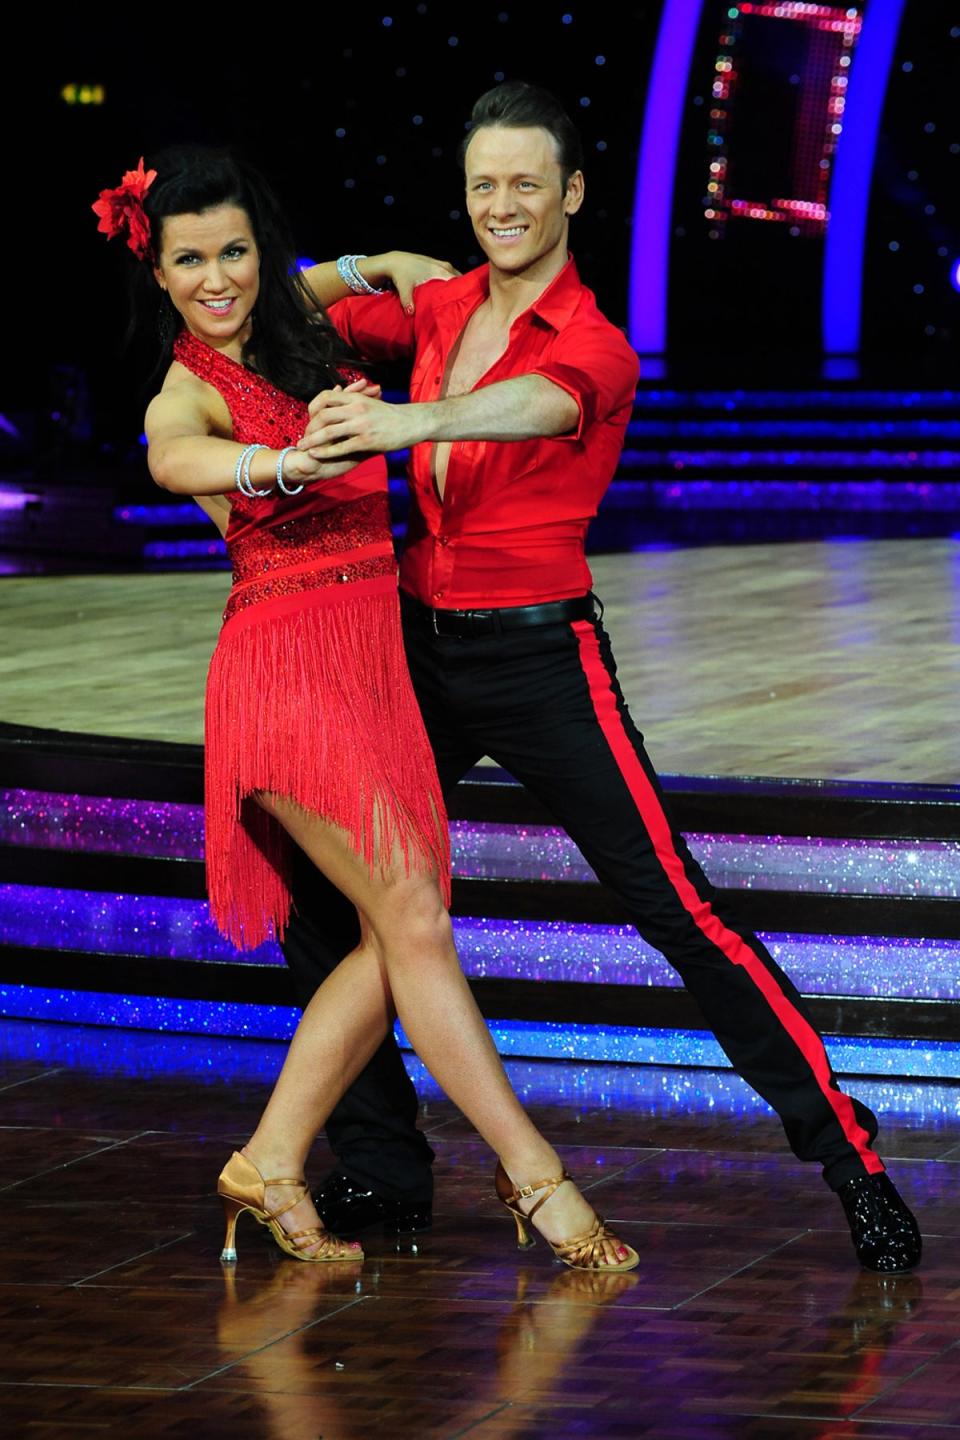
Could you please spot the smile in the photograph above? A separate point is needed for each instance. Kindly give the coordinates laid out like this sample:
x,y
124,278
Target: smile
x,y
219,307
508,234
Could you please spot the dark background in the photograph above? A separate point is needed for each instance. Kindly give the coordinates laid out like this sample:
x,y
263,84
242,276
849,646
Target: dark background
x,y
357,121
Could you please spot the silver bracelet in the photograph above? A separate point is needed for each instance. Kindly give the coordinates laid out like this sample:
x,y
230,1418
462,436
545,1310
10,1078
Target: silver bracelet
x,y
238,468
351,277
242,474
286,489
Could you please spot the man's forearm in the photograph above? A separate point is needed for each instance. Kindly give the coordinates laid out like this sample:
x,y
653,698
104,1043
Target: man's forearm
x,y
528,407
525,408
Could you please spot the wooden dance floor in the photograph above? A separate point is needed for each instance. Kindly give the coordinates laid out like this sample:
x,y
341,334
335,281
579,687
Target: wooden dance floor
x,y
820,660
747,1319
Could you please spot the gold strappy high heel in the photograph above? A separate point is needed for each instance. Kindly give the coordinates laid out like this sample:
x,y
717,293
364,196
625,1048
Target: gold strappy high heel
x,y
584,1252
242,1187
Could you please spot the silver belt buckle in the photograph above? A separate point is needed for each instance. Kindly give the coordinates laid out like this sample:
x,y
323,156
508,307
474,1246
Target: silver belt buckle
x,y
433,617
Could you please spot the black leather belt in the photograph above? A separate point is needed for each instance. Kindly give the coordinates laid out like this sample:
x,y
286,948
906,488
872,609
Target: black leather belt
x,y
464,624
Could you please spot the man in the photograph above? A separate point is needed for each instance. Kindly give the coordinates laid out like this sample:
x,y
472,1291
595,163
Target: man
x,y
521,392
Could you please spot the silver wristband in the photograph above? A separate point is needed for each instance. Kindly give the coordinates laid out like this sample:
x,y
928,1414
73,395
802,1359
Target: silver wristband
x,y
241,474
351,277
286,489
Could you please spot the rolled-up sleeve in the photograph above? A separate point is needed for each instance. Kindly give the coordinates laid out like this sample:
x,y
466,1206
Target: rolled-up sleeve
x,y
598,369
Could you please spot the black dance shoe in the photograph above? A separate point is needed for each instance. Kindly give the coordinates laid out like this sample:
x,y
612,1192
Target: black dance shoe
x,y
347,1207
885,1235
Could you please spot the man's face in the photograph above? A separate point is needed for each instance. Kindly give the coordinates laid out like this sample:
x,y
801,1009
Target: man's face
x,y
516,200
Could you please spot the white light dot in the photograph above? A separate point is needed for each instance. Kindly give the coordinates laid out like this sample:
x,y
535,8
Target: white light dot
x,y
929,128
929,209
453,40
381,159
918,289
387,20
929,329
907,66
601,144
894,245
418,119
498,76
584,101
600,60
567,19
340,132
454,214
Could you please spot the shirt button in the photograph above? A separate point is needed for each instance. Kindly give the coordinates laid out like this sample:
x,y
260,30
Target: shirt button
x,y
444,540
438,594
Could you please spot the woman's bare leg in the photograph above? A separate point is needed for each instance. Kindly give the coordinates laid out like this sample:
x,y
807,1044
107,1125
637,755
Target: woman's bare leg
x,y
407,961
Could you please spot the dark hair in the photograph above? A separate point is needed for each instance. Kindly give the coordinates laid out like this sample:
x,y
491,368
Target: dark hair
x,y
517,104
292,343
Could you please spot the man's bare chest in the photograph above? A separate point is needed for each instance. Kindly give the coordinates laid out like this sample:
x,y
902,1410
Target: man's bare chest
x,y
477,349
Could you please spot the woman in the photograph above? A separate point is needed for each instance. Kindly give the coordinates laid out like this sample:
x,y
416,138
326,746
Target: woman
x,y
312,732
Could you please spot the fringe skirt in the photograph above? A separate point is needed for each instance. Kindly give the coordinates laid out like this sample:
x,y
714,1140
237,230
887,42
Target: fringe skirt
x,y
309,697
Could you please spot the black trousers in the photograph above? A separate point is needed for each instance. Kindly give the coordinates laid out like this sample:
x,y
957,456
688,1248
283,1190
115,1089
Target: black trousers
x,y
545,704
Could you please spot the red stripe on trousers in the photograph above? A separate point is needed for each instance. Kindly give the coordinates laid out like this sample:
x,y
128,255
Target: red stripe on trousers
x,y
733,946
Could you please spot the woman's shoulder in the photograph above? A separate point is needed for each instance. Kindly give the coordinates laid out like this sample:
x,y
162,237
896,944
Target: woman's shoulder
x,y
182,390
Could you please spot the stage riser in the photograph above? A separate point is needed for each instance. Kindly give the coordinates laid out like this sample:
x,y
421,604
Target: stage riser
x,y
853,887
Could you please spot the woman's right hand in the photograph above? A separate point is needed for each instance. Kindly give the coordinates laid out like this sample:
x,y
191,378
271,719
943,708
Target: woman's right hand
x,y
299,468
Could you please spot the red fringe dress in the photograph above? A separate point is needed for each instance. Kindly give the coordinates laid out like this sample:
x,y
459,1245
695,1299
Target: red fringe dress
x,y
308,693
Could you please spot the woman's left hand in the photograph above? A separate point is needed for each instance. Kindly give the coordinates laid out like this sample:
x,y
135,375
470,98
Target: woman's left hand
x,y
406,271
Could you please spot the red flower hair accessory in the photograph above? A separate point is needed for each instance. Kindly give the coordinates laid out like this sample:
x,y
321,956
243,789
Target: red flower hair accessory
x,y
121,210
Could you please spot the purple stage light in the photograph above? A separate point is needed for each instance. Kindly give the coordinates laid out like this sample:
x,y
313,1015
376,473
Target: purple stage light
x,y
695,1049
641,1090
186,550
656,168
155,927
13,500
842,300
96,824
955,274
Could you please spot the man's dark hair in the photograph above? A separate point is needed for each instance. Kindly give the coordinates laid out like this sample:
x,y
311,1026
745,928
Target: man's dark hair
x,y
292,343
517,104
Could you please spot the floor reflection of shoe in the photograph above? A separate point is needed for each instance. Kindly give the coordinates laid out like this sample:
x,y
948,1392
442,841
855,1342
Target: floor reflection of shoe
x,y
347,1207
885,1234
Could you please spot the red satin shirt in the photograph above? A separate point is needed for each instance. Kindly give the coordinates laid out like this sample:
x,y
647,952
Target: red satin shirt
x,y
511,527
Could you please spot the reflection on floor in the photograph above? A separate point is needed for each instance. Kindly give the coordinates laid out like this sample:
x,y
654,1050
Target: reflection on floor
x,y
746,1318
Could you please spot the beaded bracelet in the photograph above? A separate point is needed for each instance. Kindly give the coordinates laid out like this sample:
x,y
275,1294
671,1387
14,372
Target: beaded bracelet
x,y
286,489
241,475
351,277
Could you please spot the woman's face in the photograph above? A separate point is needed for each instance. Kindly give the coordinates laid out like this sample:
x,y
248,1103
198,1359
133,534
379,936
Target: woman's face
x,y
209,265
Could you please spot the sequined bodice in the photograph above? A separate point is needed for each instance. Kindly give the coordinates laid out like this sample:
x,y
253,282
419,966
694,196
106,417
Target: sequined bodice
x,y
334,532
